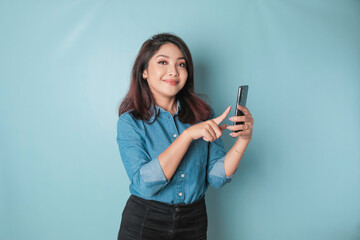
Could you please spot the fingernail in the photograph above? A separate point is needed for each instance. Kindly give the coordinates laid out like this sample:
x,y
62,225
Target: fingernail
x,y
231,118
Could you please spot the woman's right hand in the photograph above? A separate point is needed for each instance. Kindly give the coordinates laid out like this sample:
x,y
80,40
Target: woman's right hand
x,y
210,129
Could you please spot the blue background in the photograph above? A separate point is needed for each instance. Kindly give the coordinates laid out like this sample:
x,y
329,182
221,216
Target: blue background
x,y
65,66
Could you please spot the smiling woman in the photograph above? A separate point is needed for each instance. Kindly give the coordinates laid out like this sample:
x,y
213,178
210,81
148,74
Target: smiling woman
x,y
141,100
166,75
170,145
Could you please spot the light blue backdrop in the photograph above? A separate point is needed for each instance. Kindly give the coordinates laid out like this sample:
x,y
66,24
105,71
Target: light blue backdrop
x,y
65,66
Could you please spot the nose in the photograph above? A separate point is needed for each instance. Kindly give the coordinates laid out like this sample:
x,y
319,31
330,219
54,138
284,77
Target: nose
x,y
173,71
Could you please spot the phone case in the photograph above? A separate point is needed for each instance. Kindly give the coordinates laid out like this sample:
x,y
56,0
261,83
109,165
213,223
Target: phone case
x,y
241,100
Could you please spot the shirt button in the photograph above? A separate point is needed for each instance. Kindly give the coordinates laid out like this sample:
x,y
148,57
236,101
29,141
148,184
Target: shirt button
x,y
175,135
180,194
182,175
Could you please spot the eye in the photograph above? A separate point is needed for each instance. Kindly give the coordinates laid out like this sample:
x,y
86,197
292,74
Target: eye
x,y
162,62
182,64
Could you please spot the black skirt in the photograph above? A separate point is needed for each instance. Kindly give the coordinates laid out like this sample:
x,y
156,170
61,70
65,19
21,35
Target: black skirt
x,y
147,219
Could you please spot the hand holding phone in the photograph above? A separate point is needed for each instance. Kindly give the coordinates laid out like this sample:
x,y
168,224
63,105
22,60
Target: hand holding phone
x,y
241,100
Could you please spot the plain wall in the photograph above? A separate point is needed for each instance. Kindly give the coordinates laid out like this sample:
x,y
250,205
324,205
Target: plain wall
x,y
65,66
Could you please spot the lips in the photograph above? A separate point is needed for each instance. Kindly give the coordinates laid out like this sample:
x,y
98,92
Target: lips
x,y
171,82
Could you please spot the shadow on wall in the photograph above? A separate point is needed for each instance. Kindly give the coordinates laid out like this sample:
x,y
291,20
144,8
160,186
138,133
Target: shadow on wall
x,y
218,218
233,195
215,218
215,229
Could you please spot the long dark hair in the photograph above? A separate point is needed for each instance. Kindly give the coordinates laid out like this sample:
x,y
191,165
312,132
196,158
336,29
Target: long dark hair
x,y
139,98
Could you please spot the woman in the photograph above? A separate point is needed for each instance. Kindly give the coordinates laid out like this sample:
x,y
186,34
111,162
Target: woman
x,y
170,145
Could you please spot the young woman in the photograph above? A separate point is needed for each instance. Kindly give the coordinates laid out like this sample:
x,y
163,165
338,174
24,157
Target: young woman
x,y
170,145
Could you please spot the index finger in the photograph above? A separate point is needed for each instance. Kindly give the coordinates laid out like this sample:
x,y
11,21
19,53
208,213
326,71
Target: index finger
x,y
222,117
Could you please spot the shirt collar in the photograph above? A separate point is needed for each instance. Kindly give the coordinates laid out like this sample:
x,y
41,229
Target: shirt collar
x,y
160,109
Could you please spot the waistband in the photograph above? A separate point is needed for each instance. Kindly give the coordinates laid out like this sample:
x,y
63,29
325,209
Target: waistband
x,y
180,207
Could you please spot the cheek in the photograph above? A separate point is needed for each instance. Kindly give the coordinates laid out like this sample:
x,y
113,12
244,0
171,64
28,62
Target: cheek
x,y
183,73
185,76
155,71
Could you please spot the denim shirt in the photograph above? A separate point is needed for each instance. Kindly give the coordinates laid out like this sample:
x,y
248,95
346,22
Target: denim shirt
x,y
140,144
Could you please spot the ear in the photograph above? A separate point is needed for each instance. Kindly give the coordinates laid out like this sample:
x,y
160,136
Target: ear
x,y
145,74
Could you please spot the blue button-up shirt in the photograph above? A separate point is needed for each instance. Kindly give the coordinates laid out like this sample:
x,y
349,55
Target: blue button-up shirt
x,y
140,144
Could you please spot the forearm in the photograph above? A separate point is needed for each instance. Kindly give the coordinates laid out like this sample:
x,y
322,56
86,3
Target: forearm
x,y
234,155
171,157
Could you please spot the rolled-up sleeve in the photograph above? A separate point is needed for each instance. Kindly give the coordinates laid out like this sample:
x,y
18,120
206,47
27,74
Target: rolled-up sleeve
x,y
145,173
216,156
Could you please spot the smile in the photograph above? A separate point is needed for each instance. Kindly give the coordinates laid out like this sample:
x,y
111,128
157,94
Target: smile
x,y
171,82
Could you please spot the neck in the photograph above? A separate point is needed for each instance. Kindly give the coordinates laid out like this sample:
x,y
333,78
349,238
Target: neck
x,y
168,104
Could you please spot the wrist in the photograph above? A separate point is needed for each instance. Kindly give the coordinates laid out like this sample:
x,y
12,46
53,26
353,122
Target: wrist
x,y
242,141
187,135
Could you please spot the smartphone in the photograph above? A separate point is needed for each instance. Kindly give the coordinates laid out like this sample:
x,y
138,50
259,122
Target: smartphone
x,y
241,100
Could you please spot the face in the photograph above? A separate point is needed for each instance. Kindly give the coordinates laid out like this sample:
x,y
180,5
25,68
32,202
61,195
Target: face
x,y
166,73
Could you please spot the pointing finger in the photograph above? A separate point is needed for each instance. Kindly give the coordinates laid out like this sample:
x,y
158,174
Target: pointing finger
x,y
222,117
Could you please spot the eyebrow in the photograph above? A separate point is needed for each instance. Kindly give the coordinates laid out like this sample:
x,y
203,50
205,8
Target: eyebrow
x,y
168,56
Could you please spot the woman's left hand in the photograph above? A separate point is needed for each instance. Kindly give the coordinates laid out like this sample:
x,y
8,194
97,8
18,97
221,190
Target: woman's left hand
x,y
247,127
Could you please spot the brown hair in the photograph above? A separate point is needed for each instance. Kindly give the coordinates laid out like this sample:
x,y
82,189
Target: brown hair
x,y
139,98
